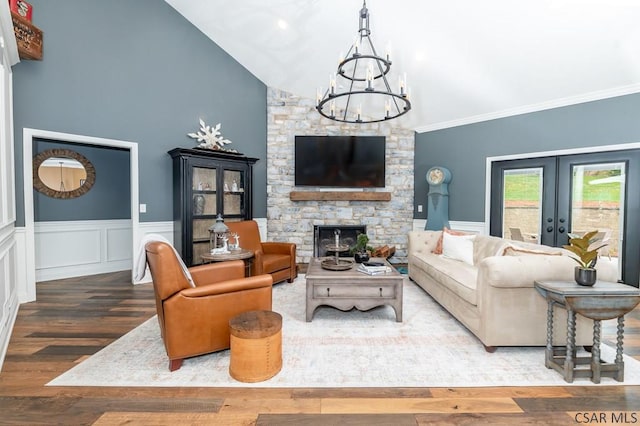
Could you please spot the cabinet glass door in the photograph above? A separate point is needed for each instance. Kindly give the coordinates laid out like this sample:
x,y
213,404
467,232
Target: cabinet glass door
x,y
233,200
204,209
204,191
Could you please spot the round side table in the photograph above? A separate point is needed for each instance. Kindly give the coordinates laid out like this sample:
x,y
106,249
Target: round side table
x,y
256,346
242,254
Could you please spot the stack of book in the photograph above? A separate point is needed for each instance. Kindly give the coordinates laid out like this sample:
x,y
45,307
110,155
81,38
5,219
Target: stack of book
x,y
373,268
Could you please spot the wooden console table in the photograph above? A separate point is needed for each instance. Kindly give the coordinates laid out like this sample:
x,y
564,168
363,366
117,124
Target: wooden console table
x,y
602,301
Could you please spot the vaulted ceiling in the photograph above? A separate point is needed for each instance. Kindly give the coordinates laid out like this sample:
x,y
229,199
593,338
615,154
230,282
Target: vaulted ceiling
x,y
466,60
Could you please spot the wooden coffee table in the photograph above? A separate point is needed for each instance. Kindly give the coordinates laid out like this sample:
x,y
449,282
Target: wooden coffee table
x,y
352,289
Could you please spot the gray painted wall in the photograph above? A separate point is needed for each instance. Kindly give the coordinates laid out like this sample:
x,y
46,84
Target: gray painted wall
x,y
108,198
136,71
464,149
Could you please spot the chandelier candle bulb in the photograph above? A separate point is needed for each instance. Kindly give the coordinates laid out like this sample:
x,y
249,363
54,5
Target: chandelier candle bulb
x,y
332,83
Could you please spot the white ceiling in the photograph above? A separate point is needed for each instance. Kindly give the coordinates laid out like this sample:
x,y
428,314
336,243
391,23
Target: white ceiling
x,y
465,60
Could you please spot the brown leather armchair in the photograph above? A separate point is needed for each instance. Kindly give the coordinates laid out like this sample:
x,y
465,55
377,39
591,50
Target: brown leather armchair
x,y
275,258
195,320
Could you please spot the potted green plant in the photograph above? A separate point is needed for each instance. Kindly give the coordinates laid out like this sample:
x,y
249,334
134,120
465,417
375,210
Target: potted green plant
x,y
585,272
360,251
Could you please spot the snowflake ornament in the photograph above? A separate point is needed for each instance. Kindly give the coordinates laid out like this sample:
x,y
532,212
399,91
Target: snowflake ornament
x,y
209,137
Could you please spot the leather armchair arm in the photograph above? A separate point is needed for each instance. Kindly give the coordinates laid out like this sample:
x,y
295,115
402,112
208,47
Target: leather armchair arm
x,y
240,284
216,272
257,262
279,248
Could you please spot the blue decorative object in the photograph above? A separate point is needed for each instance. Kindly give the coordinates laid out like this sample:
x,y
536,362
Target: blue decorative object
x,y
438,179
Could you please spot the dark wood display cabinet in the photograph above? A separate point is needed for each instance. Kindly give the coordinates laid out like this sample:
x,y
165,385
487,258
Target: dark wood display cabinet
x,y
207,183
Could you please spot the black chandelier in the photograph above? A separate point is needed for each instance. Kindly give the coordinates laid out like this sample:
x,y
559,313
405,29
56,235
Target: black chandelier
x,y
366,75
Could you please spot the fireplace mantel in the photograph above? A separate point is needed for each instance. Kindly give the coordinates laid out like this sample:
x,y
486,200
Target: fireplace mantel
x,y
339,196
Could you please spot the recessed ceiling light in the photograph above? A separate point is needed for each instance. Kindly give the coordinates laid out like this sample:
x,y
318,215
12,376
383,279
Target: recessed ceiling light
x,y
282,24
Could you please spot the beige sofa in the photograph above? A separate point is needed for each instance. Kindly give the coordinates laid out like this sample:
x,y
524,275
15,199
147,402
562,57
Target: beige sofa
x,y
495,298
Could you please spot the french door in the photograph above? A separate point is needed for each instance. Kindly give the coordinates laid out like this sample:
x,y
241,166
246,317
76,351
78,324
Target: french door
x,y
543,200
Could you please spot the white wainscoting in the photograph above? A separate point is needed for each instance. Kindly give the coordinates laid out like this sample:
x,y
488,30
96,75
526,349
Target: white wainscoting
x,y
262,228
8,287
163,229
76,248
475,227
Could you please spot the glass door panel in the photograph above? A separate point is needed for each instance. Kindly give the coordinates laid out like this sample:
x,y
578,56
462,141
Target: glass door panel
x,y
233,202
598,204
522,200
522,207
203,188
203,179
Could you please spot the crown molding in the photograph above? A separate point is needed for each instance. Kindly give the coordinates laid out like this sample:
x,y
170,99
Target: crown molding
x,y
556,103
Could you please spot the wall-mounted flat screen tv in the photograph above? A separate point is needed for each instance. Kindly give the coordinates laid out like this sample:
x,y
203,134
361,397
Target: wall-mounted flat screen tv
x,y
340,161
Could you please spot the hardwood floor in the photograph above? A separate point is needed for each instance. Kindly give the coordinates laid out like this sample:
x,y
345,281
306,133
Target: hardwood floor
x,y
74,318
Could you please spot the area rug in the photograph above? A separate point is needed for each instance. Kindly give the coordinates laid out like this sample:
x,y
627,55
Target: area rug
x,y
340,349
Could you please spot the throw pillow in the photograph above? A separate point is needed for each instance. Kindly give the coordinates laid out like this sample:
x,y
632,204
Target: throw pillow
x,y
458,247
438,249
519,251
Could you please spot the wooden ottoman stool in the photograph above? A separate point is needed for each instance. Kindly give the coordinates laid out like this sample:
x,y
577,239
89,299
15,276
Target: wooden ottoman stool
x,y
256,346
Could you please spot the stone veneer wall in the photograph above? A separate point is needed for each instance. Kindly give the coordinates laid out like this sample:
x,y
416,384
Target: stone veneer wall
x,y
388,222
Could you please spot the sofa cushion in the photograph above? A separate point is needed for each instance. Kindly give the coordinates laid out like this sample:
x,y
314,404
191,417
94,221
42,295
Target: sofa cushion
x,y
423,241
458,277
438,249
486,246
458,247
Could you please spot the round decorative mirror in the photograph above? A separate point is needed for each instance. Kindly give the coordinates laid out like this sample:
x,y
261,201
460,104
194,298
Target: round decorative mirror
x,y
62,173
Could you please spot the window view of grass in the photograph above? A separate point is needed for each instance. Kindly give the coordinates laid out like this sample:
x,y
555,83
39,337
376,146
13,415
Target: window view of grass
x,y
524,186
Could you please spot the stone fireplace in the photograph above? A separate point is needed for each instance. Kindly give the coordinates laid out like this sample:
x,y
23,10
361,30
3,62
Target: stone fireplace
x,y
325,234
387,222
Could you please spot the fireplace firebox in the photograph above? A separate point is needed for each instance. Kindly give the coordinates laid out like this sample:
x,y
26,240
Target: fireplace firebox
x,y
324,235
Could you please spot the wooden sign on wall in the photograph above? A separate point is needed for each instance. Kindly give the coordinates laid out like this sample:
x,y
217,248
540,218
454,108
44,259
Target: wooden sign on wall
x,y
28,37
